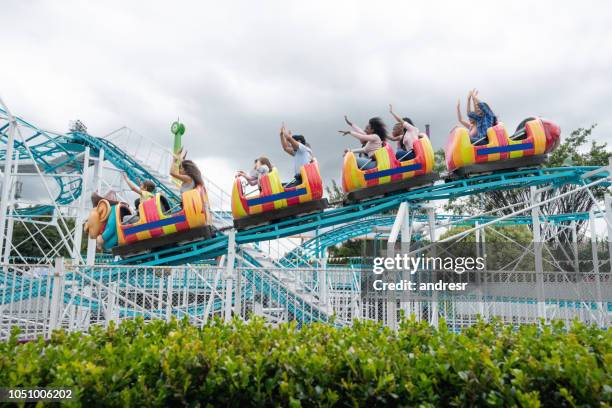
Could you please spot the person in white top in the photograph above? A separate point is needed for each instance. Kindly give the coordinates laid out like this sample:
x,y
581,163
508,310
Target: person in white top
x,y
296,146
372,139
405,134
261,167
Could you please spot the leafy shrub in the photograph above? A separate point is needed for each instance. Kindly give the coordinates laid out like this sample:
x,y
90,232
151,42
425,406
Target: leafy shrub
x,y
253,364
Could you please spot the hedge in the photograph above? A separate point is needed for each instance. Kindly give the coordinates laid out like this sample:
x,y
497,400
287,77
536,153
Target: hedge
x,y
242,364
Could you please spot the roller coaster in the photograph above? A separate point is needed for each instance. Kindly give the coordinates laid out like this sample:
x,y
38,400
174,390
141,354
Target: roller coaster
x,y
230,273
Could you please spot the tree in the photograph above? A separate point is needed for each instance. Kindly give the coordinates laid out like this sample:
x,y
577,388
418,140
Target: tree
x,y
439,161
349,249
334,192
36,241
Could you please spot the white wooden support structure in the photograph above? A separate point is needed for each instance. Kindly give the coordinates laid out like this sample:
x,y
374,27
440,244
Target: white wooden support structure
x,y
229,273
80,216
7,179
433,306
97,177
602,314
57,296
537,249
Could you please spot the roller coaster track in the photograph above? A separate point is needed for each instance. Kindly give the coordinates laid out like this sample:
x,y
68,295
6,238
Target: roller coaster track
x,y
62,149
316,247
51,154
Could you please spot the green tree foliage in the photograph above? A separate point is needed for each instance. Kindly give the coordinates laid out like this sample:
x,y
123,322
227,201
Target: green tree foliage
x,y
439,161
158,363
349,249
334,193
36,240
517,233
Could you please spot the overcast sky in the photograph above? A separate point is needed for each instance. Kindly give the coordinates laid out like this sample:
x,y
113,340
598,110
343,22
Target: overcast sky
x,y
233,73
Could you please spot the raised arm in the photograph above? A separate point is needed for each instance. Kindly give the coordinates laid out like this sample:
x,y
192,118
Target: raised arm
x,y
468,107
460,117
476,103
354,126
283,138
294,145
184,178
131,185
397,118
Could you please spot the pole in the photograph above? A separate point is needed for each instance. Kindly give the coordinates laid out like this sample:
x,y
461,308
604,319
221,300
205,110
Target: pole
x,y
91,243
229,271
7,179
537,248
78,227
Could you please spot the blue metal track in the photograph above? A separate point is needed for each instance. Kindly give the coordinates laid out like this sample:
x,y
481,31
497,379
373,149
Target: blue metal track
x,y
49,152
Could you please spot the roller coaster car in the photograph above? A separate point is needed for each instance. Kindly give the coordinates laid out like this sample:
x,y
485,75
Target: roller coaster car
x,y
154,228
527,147
390,175
275,201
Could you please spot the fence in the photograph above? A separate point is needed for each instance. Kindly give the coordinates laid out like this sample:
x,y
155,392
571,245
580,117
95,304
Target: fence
x,y
41,298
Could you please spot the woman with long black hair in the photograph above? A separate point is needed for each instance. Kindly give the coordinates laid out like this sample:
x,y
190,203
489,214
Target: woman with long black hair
x,y
372,138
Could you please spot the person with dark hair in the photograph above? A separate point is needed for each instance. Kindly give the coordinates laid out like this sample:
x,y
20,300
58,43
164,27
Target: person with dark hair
x,y
405,134
261,167
481,118
146,189
372,139
296,146
189,174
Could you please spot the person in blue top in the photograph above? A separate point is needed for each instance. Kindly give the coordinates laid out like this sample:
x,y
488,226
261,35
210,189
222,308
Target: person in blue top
x,y
296,146
481,118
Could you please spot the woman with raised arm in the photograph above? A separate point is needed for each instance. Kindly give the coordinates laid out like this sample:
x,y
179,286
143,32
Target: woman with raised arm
x,y
372,139
483,118
189,174
295,146
405,134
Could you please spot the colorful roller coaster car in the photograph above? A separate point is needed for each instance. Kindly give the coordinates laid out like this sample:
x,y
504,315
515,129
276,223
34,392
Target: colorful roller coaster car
x,y
154,228
390,175
528,147
275,201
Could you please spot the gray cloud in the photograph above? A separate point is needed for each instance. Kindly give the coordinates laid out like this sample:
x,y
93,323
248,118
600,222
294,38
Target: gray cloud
x,y
234,72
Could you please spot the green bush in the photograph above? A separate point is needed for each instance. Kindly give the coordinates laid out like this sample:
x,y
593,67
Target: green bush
x,y
253,364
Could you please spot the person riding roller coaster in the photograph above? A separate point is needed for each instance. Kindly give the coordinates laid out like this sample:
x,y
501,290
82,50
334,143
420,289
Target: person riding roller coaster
x,y
373,138
189,174
405,134
480,116
295,146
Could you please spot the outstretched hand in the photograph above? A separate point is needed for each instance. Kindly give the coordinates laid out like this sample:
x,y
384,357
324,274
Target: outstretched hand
x,y
344,132
180,156
348,122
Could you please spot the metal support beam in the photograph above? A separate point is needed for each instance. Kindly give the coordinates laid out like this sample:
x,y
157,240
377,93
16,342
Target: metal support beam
x,y
229,273
80,216
537,248
602,314
433,308
7,179
57,296
97,177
